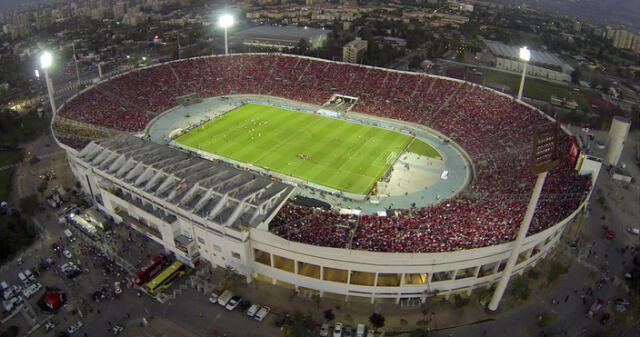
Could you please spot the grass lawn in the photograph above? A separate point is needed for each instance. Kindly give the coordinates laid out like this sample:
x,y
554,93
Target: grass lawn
x,y
532,88
338,154
7,158
422,148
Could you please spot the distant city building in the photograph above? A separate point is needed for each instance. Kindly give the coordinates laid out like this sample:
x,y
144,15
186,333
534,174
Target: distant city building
x,y
119,9
624,39
282,37
43,21
98,13
354,51
542,64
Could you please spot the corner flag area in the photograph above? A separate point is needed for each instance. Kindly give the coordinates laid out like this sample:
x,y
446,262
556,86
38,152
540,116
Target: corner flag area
x,y
342,155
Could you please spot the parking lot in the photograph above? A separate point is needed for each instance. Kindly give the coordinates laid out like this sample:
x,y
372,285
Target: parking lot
x,y
93,271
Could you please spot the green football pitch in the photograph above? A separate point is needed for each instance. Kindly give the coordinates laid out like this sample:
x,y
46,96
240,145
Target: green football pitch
x,y
338,154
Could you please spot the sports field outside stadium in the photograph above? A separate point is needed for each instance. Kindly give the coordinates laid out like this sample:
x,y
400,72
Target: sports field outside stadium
x,y
335,153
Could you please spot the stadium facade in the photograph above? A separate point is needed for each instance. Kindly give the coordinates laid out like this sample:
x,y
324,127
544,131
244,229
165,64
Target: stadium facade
x,y
211,211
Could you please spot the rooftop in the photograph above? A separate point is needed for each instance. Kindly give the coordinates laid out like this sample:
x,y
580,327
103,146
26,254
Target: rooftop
x,y
513,52
290,33
211,190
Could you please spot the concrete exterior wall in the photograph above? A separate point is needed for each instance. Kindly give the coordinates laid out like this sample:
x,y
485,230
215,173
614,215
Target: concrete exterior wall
x,y
615,141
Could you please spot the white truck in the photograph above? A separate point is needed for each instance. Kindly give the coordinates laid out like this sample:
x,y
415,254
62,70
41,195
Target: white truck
x,y
224,298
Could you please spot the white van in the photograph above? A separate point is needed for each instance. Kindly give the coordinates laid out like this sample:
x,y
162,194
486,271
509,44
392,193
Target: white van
x,y
360,330
225,297
23,278
69,235
253,309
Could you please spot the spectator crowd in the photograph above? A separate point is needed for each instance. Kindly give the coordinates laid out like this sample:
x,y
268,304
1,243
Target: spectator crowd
x,y
495,130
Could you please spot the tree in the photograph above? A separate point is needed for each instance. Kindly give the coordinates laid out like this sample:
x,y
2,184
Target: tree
x,y
520,288
545,318
576,75
557,269
376,320
303,47
328,315
415,62
300,325
12,331
29,204
230,279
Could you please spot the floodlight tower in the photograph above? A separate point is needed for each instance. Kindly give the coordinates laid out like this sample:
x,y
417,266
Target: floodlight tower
x,y
46,59
225,22
544,158
525,56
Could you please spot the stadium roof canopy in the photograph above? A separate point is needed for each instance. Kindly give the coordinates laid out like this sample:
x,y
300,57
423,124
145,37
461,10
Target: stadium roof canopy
x,y
513,52
211,190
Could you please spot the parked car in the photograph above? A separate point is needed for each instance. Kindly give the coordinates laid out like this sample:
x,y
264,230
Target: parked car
x,y
233,303
360,330
11,303
215,294
262,313
29,275
117,329
23,278
225,297
610,235
337,330
634,231
253,309
595,307
74,327
117,288
31,290
49,326
324,330
347,331
283,320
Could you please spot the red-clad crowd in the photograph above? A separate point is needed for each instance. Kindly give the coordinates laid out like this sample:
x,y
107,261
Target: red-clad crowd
x,y
495,131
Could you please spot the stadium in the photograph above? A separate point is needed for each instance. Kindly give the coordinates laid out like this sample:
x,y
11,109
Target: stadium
x,y
338,180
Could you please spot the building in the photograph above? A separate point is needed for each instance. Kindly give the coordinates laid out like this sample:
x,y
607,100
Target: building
x,y
624,39
353,52
192,206
119,9
615,140
282,37
199,209
542,64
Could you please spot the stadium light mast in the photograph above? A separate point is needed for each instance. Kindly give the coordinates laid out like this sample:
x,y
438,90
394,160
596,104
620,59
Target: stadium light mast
x,y
225,22
46,59
544,158
525,56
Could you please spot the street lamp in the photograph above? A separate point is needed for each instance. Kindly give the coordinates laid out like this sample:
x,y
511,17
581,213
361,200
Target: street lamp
x,y
225,22
544,158
46,59
525,56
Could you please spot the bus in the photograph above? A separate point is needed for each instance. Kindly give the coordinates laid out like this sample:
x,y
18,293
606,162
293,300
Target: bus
x,y
144,274
165,278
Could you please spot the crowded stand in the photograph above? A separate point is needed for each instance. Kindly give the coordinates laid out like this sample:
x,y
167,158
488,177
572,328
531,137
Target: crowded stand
x,y
494,130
